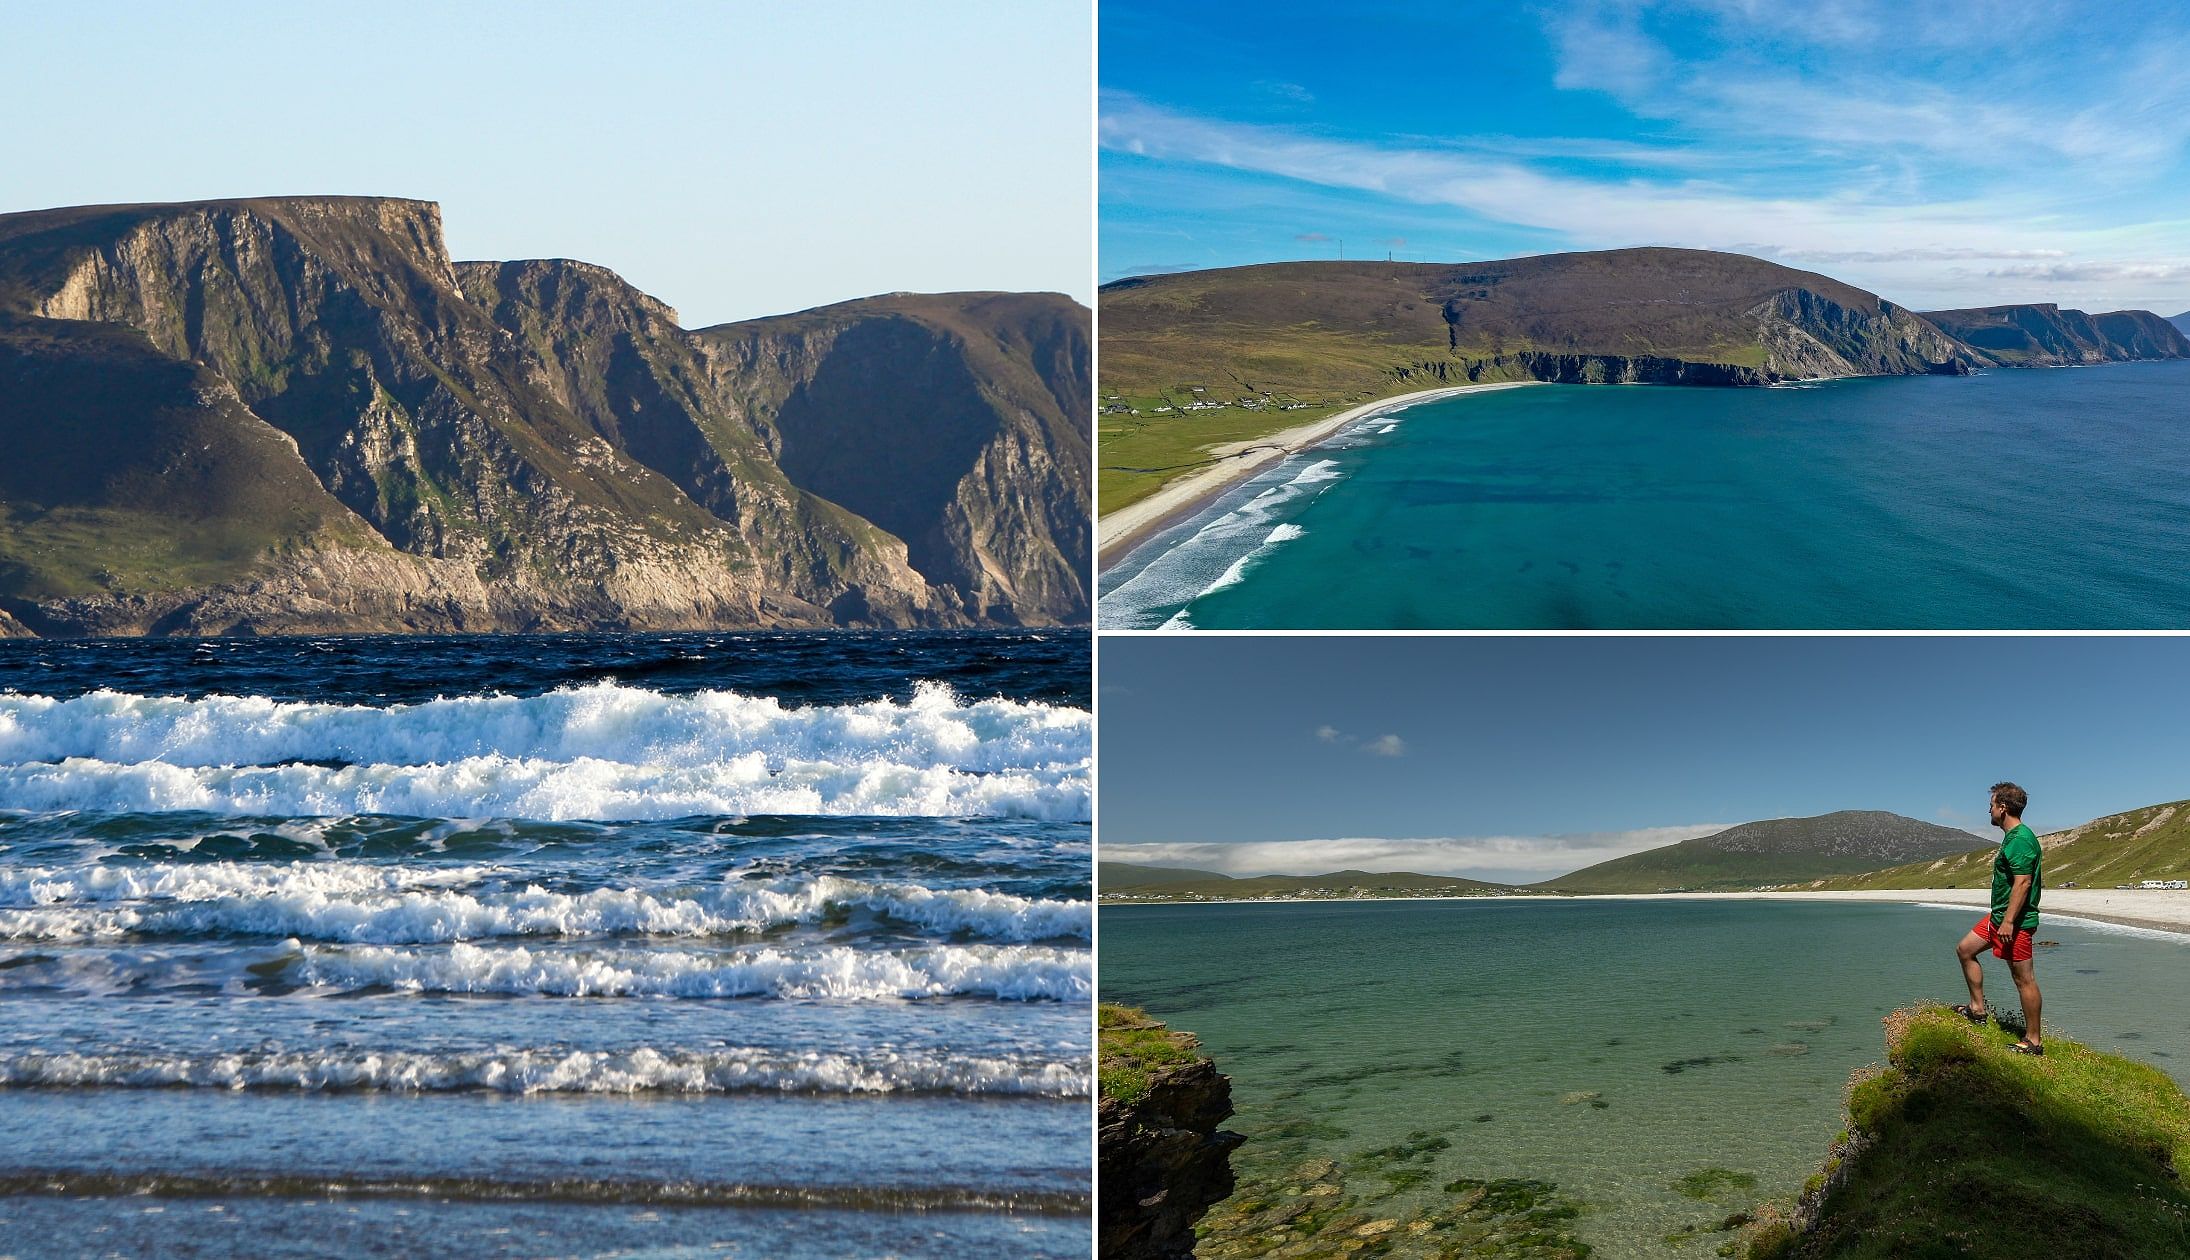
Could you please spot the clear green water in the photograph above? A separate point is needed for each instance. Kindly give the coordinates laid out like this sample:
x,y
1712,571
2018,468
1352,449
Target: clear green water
x,y
2017,498
1348,1027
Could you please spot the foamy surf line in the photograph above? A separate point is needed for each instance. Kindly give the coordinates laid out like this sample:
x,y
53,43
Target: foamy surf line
x,y
1228,544
1019,973
827,973
90,1184
356,902
527,1072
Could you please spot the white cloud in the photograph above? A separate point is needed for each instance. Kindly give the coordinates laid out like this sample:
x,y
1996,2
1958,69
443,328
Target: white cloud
x,y
1329,734
1386,746
1504,859
1908,248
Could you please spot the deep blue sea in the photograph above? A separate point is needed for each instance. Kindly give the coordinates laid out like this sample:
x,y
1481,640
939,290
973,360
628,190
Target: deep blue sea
x,y
687,944
2017,499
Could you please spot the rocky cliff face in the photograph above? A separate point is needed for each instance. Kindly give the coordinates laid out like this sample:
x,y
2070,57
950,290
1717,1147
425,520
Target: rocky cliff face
x,y
987,396
1162,1160
299,414
2043,334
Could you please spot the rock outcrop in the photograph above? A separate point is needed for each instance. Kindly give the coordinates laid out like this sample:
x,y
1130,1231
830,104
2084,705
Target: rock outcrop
x,y
2043,334
1162,1159
300,414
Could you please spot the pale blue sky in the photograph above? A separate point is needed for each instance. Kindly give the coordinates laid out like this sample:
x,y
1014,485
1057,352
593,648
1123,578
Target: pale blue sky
x,y
1955,153
733,159
1519,758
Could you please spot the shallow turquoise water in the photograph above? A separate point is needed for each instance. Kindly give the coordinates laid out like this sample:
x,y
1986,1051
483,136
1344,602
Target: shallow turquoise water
x,y
1717,1034
2014,499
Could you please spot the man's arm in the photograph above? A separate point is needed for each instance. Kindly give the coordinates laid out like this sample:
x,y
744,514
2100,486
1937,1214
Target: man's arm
x,y
2018,894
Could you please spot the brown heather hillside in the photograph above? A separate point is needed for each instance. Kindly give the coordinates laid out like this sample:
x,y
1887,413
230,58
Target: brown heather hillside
x,y
1315,329
1771,852
299,414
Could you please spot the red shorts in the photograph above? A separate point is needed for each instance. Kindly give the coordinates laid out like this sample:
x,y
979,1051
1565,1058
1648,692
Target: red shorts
x,y
2015,949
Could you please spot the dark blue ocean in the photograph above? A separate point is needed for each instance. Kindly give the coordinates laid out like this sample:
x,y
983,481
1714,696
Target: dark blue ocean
x,y
687,944
2014,499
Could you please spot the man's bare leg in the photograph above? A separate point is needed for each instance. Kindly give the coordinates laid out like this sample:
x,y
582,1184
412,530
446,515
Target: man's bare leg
x,y
2026,987
1973,971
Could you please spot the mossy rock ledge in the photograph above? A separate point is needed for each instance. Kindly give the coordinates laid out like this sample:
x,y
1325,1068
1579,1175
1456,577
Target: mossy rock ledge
x,y
1960,1148
1162,1160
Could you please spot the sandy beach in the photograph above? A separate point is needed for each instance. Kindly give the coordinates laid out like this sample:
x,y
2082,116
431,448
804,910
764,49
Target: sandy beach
x,y
2159,910
1129,526
2155,910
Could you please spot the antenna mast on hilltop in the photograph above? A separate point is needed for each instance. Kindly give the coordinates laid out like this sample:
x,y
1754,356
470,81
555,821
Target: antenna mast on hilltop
x,y
1342,249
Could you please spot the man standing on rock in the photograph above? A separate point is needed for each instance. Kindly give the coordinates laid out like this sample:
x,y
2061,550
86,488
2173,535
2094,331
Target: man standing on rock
x,y
2007,931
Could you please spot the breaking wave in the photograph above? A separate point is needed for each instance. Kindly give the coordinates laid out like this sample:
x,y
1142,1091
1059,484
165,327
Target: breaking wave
x,y
599,752
357,902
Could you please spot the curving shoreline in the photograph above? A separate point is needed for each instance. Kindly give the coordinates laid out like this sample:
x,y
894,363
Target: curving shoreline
x,y
1118,533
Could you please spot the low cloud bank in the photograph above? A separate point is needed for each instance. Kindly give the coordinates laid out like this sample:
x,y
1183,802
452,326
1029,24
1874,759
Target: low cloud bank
x,y
1502,859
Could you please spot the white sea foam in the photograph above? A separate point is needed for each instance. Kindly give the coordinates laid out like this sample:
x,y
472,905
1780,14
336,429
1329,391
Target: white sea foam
x,y
1284,532
587,788
603,722
526,1071
1010,972
602,752
354,902
1218,555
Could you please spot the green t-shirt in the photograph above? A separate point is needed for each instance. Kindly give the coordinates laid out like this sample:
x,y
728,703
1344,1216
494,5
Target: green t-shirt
x,y
2018,856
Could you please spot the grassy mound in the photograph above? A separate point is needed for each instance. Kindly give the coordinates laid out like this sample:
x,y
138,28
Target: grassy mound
x,y
1960,1148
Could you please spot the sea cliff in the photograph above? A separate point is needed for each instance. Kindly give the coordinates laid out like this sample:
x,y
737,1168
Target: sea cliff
x,y
300,414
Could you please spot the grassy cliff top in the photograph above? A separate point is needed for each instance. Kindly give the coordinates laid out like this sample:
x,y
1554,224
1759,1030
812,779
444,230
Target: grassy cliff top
x,y
1960,1148
1131,1048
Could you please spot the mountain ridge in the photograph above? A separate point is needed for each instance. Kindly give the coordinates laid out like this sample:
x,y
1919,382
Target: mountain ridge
x,y
301,414
1768,852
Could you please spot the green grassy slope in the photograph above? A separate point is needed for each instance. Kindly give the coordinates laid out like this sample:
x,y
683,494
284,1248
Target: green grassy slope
x,y
1769,852
125,470
2148,843
1959,1148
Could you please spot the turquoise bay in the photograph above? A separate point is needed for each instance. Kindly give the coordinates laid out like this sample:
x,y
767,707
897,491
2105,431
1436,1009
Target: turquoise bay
x,y
2036,498
1611,1047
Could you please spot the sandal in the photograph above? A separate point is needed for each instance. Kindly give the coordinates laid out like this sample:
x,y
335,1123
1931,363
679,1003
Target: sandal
x,y
2024,1047
1970,1013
